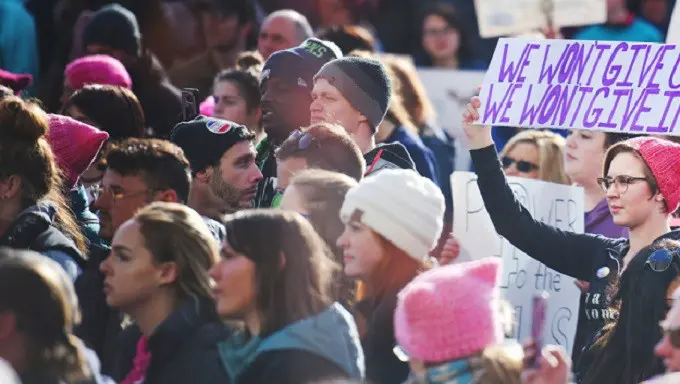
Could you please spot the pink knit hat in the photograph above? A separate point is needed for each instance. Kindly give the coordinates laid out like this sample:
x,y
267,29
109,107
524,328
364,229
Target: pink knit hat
x,y
75,145
207,106
663,158
450,312
97,69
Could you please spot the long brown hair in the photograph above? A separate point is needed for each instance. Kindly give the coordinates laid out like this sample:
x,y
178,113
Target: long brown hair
x,y
393,272
46,312
293,267
24,152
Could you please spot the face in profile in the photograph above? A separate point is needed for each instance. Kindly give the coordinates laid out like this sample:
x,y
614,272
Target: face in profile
x,y
584,156
234,181
362,251
234,291
131,276
630,197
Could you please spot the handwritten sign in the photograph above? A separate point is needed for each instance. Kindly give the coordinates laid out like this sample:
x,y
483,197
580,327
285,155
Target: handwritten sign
x,y
504,18
605,86
450,91
554,204
673,34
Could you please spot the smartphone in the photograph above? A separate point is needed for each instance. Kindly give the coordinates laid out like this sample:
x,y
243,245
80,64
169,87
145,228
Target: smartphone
x,y
189,104
538,317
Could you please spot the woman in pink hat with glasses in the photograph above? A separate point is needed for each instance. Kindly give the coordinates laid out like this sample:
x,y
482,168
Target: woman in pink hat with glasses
x,y
641,181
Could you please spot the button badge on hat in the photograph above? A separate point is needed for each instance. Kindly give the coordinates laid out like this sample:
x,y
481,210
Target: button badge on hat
x,y
217,126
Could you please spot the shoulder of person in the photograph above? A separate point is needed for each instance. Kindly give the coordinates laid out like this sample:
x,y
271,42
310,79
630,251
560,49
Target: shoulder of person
x,y
290,366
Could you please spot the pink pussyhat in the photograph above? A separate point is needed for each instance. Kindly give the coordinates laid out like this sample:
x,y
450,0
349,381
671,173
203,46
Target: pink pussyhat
x,y
207,106
97,69
450,312
15,81
75,146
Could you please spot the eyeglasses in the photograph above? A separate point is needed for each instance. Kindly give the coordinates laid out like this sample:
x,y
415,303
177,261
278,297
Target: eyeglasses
x,y
673,335
305,139
621,181
437,32
521,165
100,191
661,259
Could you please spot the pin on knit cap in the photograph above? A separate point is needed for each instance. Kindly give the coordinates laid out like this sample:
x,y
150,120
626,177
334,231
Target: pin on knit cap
x,y
450,312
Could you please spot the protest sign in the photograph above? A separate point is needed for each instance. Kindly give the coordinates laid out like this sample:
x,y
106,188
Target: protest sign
x,y
504,18
450,91
522,277
673,34
592,85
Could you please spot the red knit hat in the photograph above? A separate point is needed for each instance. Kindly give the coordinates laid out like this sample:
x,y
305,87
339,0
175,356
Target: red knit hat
x,y
75,145
663,159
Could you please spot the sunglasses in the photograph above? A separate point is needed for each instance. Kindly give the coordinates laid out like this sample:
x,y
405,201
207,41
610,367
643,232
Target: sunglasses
x,y
673,335
305,139
660,260
521,165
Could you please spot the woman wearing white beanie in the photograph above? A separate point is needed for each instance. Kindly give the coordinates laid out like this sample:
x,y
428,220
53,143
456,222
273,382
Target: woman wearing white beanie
x,y
392,219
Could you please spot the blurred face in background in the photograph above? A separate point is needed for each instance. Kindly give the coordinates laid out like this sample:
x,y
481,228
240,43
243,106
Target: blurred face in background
x,y
584,156
231,106
440,40
655,11
522,160
276,34
333,12
222,29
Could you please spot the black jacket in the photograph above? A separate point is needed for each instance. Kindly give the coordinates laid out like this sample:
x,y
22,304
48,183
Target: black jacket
x,y
290,367
576,255
183,347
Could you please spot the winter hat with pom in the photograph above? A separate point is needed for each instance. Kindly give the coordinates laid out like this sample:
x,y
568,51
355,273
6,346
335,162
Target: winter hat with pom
x,y
75,146
450,312
400,205
663,159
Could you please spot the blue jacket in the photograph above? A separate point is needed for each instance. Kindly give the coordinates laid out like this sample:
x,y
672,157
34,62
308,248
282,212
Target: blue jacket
x,y
322,346
18,41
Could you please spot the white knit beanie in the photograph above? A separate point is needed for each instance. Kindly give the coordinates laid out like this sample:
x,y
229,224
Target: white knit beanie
x,y
402,206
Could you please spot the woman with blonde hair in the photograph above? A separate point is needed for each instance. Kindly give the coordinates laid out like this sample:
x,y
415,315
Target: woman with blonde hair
x,y
157,274
535,155
318,196
392,221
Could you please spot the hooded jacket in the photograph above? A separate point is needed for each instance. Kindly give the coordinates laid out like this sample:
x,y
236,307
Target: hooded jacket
x,y
593,258
388,156
323,346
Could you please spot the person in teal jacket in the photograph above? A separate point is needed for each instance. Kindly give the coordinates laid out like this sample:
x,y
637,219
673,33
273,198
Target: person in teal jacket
x,y
18,41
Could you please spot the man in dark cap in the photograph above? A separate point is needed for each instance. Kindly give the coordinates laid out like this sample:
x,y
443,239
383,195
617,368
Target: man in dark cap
x,y
114,31
286,84
222,158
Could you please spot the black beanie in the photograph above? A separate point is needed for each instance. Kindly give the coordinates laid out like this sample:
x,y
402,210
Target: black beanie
x,y
363,82
205,139
116,27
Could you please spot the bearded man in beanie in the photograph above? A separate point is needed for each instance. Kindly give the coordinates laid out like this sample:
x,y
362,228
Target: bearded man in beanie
x,y
114,31
286,84
222,159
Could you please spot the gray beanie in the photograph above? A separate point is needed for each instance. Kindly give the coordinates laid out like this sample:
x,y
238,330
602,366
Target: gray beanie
x,y
363,82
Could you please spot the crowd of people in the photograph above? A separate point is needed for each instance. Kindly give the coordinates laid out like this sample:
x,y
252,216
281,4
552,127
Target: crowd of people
x,y
234,191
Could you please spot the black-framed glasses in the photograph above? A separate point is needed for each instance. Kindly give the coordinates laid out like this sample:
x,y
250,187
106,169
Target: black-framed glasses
x,y
661,259
521,165
621,181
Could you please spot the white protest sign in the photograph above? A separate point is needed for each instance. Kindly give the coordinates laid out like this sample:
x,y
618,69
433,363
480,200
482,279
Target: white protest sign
x,y
673,34
604,86
450,91
506,18
554,204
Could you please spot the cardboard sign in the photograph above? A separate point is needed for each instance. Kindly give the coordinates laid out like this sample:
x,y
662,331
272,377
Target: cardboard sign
x,y
604,86
673,34
508,18
522,277
450,91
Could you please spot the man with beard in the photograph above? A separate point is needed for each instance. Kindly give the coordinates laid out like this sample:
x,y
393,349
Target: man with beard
x,y
222,158
226,26
286,84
